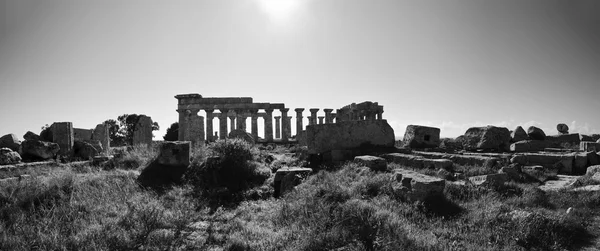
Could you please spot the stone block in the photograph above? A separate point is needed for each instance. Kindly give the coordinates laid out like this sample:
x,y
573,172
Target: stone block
x,y
142,133
417,136
587,146
287,178
583,137
101,134
82,134
38,150
579,163
404,159
593,159
84,150
496,179
564,162
10,141
563,140
487,138
416,186
372,162
9,157
519,134
174,153
536,133
528,146
63,135
349,135
29,135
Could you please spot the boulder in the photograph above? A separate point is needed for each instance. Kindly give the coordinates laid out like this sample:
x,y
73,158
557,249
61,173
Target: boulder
x,y
10,141
287,178
562,128
372,162
349,135
241,134
29,135
414,186
528,146
9,157
496,179
84,150
487,138
519,134
38,150
535,133
417,136
174,153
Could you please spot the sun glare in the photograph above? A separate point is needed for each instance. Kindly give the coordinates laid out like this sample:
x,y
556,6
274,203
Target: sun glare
x,y
279,10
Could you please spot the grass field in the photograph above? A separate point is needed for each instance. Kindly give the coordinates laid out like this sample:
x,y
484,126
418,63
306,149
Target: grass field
x,y
347,207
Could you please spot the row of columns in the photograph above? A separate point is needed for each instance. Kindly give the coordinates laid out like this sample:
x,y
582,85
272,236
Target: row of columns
x,y
191,125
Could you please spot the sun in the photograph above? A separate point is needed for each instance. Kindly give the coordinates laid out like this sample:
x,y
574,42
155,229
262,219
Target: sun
x,y
279,10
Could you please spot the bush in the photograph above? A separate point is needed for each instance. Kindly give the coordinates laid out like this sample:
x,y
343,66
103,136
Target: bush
x,y
230,167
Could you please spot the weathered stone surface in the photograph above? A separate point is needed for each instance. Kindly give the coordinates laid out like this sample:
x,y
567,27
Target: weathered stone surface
x,y
519,134
417,136
583,137
535,133
562,128
101,134
142,134
589,146
36,150
62,134
563,140
10,141
487,138
593,159
496,179
31,136
241,134
349,135
372,162
463,160
9,157
174,153
560,182
417,187
590,188
82,134
405,159
529,146
287,178
563,162
450,144
579,163
84,150
591,170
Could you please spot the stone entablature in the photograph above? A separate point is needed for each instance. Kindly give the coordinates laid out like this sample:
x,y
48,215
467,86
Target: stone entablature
x,y
363,111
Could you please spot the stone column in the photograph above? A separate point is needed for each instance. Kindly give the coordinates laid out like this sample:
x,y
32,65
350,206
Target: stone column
x,y
209,124
269,125
223,125
232,117
277,127
328,118
182,125
334,117
379,115
193,132
321,120
254,124
241,120
63,135
313,116
285,125
101,134
299,126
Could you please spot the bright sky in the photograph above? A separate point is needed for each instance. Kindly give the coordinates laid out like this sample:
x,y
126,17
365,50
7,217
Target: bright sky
x,y
448,64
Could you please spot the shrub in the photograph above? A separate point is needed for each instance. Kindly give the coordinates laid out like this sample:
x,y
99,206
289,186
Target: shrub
x,y
231,167
132,157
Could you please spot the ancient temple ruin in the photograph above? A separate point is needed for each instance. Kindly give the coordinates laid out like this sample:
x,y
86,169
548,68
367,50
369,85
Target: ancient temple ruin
x,y
197,129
